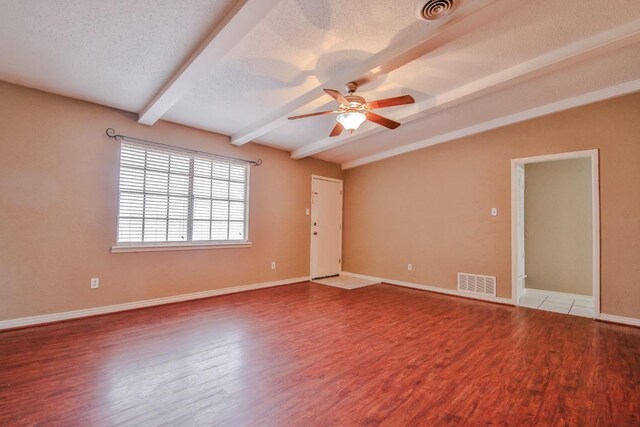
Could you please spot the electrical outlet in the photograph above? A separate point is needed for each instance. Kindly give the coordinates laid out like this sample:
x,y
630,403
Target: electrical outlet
x,y
95,283
410,267
307,212
494,211
273,265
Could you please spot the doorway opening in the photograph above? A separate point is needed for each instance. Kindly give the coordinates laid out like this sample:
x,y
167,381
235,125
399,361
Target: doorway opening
x,y
556,233
326,227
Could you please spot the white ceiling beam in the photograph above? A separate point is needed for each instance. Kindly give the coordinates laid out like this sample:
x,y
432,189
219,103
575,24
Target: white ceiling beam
x,y
555,107
590,47
244,15
395,56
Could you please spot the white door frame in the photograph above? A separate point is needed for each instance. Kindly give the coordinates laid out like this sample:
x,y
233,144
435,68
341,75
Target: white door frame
x,y
517,165
324,178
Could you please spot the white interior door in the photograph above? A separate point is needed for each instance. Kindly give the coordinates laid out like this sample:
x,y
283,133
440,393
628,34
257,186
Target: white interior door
x,y
326,227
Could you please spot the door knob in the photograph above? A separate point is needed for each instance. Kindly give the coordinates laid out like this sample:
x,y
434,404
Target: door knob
x,y
315,233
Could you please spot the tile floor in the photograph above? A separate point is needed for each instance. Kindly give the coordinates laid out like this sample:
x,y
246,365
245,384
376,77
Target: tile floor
x,y
577,305
345,282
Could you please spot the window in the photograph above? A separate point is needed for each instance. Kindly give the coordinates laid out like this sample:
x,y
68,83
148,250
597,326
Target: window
x,y
169,195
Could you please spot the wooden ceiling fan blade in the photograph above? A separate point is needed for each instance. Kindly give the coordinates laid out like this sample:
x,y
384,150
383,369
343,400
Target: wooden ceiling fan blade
x,y
337,130
390,102
337,96
320,113
382,121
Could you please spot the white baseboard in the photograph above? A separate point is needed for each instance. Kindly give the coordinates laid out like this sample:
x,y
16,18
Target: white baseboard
x,y
429,288
55,317
602,316
619,319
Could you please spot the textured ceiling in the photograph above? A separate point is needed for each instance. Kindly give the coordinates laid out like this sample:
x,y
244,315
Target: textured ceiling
x,y
607,70
116,52
524,34
121,54
300,44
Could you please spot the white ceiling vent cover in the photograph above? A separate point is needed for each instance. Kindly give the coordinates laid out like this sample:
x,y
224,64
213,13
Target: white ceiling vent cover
x,y
432,10
477,284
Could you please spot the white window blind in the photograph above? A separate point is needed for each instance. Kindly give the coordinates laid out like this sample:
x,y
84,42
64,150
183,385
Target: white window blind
x,y
168,195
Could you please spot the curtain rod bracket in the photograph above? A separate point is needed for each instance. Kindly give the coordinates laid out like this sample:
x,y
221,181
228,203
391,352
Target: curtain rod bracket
x,y
111,133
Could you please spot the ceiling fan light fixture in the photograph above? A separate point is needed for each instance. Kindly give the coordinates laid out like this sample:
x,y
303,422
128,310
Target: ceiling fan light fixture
x,y
353,110
351,120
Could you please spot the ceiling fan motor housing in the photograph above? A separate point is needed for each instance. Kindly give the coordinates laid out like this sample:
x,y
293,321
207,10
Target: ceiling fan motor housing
x,y
355,101
351,87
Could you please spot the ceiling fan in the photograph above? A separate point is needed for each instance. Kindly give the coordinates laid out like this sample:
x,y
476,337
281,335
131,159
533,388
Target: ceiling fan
x,y
353,110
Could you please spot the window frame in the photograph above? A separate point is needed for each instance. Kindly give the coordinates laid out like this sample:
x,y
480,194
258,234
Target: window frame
x,y
191,244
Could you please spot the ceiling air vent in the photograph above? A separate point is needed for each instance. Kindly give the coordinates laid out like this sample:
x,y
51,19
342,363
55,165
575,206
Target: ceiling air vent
x,y
435,9
477,284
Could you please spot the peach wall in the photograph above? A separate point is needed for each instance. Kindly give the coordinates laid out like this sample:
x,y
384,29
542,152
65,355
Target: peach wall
x,y
58,207
432,207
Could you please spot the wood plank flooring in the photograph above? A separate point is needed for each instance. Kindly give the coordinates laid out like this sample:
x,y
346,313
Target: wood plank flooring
x,y
313,355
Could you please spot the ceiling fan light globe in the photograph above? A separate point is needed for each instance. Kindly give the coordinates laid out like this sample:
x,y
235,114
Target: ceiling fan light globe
x,y
351,120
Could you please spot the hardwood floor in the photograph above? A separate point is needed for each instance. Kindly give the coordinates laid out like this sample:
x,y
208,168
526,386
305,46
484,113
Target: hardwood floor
x,y
309,354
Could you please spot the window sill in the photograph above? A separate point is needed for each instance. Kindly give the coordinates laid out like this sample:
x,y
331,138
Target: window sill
x,y
177,247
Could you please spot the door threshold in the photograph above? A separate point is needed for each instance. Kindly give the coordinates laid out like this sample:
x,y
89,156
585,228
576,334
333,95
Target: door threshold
x,y
344,282
564,303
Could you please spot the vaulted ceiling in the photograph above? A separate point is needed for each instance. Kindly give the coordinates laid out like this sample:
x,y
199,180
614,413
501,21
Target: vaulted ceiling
x,y
240,68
